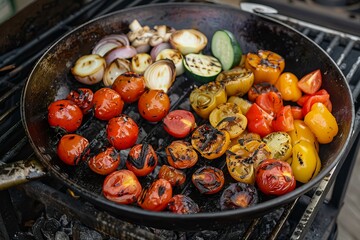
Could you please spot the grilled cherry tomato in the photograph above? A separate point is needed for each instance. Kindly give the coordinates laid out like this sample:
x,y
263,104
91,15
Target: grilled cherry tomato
x,y
270,102
157,196
275,177
287,84
83,98
105,162
122,132
72,149
182,204
321,96
297,112
260,88
174,176
65,114
210,142
311,82
142,159
179,123
239,195
266,66
208,180
122,187
284,120
181,154
130,86
259,121
107,103
154,105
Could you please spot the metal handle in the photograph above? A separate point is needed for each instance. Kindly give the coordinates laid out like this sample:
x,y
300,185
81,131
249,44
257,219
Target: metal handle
x,y
20,172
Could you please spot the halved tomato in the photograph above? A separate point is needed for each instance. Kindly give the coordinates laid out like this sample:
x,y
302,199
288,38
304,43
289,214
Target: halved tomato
x,y
179,123
259,121
157,196
311,82
284,120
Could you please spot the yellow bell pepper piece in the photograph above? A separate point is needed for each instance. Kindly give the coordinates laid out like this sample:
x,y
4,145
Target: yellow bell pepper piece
x,y
287,86
303,132
322,123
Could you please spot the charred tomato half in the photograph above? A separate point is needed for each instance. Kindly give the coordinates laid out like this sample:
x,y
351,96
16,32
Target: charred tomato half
x,y
239,195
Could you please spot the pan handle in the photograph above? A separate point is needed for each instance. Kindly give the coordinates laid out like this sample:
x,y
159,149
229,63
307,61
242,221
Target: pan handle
x,y
12,174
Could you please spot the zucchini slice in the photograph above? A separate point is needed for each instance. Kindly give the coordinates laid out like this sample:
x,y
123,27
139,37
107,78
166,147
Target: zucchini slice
x,y
201,68
226,48
279,144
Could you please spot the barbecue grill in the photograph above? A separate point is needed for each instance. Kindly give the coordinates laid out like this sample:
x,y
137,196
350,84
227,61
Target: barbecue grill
x,y
46,209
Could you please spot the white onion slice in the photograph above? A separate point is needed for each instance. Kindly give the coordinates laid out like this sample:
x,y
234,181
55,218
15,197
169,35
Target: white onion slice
x,y
175,56
140,62
89,69
120,52
160,75
188,41
110,42
115,69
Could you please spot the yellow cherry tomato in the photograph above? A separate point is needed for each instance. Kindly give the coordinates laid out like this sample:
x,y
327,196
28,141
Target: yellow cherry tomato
x,y
322,123
287,86
305,163
237,81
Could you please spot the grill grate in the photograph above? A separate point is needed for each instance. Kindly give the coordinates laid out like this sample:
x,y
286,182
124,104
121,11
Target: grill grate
x,y
290,221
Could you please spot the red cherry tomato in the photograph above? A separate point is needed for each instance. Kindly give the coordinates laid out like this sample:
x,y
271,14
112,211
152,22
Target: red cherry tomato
x,y
297,112
65,114
173,175
107,104
122,132
142,159
284,120
260,88
321,96
181,154
154,105
275,177
83,98
311,82
72,149
208,180
271,102
182,204
259,121
157,196
130,86
105,162
122,187
179,123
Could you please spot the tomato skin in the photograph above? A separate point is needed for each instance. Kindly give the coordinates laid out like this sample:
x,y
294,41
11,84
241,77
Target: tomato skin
x,y
142,159
122,132
297,112
83,98
130,86
72,149
122,187
154,105
275,177
182,204
174,176
179,123
271,102
107,104
65,114
157,196
311,82
260,88
259,121
208,180
105,162
284,120
181,154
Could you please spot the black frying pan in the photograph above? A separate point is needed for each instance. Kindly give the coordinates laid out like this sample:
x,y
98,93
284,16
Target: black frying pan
x,y
51,80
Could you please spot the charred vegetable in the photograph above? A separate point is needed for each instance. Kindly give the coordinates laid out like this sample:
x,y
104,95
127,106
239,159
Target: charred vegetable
x,y
237,81
182,204
160,75
279,144
115,69
174,176
142,159
181,154
188,41
201,68
238,195
157,196
175,56
208,180
140,62
89,69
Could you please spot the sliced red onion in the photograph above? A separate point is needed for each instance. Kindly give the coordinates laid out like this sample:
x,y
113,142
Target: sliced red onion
x,y
120,52
115,69
160,75
110,42
143,48
158,48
